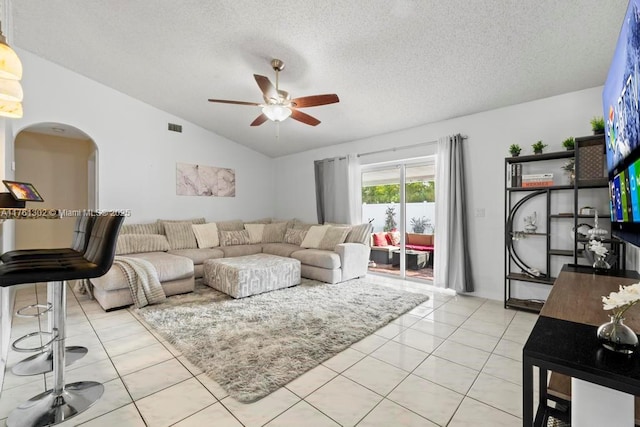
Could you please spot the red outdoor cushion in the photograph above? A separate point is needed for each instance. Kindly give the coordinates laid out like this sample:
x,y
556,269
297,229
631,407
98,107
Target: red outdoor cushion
x,y
420,247
379,239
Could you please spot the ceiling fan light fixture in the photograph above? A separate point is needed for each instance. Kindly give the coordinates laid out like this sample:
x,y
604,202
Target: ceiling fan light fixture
x,y
276,112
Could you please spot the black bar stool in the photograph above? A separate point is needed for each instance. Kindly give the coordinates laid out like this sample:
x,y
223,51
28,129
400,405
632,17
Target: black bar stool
x,y
63,401
43,361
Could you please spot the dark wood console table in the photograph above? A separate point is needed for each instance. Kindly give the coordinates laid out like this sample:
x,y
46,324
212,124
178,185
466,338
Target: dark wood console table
x,y
564,341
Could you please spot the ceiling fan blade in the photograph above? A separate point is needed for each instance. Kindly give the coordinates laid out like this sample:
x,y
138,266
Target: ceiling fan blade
x,y
268,90
304,118
259,120
224,101
315,100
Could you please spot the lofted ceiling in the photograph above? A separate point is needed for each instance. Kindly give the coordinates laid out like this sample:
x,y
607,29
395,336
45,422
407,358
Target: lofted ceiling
x,y
395,64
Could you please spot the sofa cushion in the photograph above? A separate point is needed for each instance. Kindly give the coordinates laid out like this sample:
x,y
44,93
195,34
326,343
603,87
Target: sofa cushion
x,y
240,250
359,234
180,235
235,225
334,236
192,221
314,236
294,237
255,232
232,238
318,258
169,267
206,235
199,255
153,228
420,239
274,233
280,249
138,243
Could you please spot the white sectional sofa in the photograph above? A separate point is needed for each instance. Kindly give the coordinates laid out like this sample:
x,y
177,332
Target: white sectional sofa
x,y
178,249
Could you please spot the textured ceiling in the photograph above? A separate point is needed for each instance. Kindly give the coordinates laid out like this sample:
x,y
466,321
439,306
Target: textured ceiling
x,y
395,64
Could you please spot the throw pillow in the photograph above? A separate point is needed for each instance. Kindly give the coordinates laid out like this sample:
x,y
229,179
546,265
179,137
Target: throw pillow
x,y
232,238
138,243
334,236
274,233
294,237
393,237
152,228
161,222
379,239
255,232
359,234
180,235
314,236
235,225
388,238
260,221
206,235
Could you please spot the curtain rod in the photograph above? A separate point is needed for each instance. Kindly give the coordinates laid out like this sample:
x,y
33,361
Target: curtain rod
x,y
387,150
404,147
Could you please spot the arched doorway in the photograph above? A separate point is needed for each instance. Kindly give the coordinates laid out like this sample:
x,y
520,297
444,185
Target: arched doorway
x,y
61,161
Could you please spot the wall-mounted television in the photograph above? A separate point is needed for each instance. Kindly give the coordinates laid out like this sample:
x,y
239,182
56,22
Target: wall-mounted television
x,y
621,97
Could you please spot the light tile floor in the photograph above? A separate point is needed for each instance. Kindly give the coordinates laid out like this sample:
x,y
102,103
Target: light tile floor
x,y
452,361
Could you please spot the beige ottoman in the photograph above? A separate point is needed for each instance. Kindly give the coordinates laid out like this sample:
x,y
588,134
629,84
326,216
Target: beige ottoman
x,y
252,274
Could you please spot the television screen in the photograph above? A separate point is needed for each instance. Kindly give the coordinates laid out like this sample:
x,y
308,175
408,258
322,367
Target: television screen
x,y
620,98
23,191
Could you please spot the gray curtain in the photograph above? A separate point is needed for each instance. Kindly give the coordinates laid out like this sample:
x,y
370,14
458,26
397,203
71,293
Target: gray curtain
x,y
332,190
452,266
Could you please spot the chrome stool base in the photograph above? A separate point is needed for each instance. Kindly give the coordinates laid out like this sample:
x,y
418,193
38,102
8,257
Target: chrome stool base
x,y
50,408
42,363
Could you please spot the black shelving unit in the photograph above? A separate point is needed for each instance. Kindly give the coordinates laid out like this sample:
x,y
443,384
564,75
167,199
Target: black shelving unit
x,y
576,254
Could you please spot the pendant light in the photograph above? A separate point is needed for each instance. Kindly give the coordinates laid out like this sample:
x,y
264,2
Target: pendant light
x,y
10,75
10,65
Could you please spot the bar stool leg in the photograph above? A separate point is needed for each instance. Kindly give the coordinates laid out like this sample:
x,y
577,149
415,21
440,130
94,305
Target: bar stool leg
x,y
42,362
64,400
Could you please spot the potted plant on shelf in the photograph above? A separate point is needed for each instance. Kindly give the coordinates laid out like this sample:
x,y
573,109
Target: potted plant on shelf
x,y
569,143
537,147
597,125
515,149
570,169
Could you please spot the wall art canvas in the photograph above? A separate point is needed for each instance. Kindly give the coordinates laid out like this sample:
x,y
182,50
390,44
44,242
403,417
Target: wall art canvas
x,y
199,180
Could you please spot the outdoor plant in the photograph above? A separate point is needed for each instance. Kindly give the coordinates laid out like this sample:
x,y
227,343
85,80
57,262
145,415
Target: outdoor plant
x,y
537,147
569,143
390,223
419,224
515,149
597,125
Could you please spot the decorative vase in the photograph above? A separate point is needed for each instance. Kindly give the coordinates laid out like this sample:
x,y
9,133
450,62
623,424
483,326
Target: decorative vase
x,y
616,336
537,151
601,263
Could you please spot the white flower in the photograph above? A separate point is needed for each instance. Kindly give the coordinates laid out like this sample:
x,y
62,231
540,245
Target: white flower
x,y
598,248
621,301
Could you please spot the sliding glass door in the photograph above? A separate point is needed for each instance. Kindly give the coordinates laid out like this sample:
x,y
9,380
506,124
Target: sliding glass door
x,y
399,201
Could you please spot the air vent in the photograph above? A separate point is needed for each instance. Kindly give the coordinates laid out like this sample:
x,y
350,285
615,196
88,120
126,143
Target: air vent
x,y
175,128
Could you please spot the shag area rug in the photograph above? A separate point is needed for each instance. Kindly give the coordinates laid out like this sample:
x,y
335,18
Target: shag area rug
x,y
253,346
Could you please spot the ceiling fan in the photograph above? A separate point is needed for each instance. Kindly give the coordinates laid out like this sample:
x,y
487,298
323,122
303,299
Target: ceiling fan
x,y
278,105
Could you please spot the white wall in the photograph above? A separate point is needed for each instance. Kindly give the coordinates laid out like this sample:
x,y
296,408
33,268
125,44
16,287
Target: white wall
x,y
137,155
490,133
